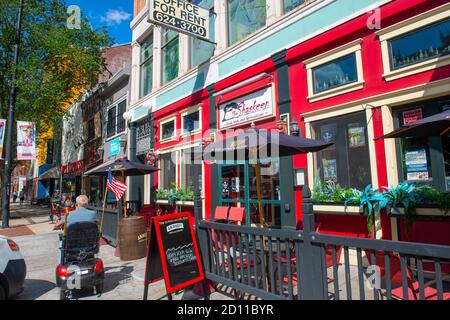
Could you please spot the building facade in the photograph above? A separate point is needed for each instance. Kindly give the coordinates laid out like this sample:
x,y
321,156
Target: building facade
x,y
344,71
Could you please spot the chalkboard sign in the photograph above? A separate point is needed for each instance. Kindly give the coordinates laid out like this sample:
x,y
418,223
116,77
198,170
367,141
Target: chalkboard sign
x,y
173,253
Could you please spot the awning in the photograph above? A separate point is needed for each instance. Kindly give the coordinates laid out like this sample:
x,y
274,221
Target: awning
x,y
52,173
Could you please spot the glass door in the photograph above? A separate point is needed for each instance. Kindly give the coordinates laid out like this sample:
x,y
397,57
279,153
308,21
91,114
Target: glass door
x,y
238,187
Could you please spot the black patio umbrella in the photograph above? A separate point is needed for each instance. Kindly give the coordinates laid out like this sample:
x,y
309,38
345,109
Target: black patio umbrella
x,y
258,144
436,125
124,166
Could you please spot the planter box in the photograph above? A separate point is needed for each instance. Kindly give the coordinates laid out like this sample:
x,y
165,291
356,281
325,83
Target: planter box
x,y
422,211
337,208
177,203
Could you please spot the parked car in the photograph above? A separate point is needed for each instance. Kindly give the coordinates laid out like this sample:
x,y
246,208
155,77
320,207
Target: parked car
x,y
12,269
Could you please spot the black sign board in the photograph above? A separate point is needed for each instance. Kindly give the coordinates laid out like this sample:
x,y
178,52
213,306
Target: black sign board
x,y
173,253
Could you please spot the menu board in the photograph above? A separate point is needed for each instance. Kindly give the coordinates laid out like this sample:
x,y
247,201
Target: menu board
x,y
173,252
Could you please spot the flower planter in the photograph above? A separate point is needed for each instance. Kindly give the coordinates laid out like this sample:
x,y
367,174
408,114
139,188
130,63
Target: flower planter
x,y
421,211
177,203
337,208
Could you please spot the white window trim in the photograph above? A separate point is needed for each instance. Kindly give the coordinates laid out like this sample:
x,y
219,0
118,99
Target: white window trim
x,y
404,27
189,111
329,56
162,123
116,105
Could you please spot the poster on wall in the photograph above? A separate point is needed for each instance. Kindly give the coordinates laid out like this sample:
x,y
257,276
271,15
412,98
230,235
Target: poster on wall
x,y
416,165
413,115
328,133
356,136
2,135
329,170
26,140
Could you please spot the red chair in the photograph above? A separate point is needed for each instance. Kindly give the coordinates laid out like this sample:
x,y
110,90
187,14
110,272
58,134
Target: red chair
x,y
236,215
413,291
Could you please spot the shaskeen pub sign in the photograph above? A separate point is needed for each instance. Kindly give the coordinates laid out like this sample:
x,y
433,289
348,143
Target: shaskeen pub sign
x,y
255,106
182,16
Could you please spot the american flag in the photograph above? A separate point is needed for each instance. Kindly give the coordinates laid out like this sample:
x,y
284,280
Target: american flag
x,y
116,186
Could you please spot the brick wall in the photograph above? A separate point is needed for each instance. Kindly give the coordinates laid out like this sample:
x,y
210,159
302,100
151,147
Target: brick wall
x,y
138,6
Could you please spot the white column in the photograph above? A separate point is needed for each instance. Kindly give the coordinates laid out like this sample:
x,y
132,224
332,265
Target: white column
x,y
157,65
274,10
184,63
135,73
221,25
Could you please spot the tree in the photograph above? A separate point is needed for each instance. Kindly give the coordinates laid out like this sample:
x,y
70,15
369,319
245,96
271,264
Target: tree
x,y
55,61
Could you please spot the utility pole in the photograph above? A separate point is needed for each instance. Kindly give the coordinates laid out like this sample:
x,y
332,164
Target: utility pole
x,y
10,123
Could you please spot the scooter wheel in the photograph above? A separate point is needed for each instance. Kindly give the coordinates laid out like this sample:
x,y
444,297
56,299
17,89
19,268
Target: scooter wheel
x,y
62,295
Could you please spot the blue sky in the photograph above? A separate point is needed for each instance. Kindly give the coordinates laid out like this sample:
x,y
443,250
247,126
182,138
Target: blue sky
x,y
114,14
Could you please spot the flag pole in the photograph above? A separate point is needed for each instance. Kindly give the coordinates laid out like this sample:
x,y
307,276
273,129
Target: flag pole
x,y
124,197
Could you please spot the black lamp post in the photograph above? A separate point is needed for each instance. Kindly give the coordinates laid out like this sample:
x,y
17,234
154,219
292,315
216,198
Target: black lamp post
x,y
10,123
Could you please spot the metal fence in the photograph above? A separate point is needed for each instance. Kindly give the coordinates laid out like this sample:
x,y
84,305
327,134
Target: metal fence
x,y
289,264
110,222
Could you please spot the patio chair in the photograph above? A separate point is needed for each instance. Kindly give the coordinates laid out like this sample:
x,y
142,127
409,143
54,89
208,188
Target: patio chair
x,y
397,293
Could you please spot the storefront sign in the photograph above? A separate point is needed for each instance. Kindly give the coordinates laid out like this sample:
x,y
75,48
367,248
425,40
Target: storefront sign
x,y
356,137
114,147
72,167
416,165
329,170
182,16
26,140
255,106
413,115
2,135
172,253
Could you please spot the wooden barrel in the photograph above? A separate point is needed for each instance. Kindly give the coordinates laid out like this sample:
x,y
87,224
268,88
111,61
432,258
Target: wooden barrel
x,y
132,238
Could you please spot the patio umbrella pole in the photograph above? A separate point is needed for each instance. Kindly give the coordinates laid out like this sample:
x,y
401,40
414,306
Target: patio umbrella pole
x,y
262,221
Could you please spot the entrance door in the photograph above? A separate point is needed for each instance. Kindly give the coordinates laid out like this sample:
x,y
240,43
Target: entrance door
x,y
237,187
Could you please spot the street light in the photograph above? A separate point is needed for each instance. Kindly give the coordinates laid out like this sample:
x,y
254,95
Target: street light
x,y
10,123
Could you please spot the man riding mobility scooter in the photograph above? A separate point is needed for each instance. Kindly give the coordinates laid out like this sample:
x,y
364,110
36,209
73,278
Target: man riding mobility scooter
x,y
79,267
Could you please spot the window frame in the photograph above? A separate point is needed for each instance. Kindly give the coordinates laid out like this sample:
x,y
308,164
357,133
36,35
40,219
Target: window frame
x,y
212,37
161,172
189,111
353,47
142,63
116,106
162,123
403,28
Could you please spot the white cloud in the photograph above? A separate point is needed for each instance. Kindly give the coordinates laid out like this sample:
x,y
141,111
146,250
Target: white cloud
x,y
115,17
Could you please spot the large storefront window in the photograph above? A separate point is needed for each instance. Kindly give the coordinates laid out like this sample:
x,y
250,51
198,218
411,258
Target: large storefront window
x,y
347,162
238,187
334,74
244,18
202,50
420,45
188,168
292,4
424,159
146,68
170,55
167,170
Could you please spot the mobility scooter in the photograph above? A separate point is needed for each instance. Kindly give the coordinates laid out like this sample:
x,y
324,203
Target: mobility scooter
x,y
79,266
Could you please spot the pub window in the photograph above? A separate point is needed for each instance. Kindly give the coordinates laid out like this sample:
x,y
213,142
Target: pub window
x,y
290,5
424,159
191,121
170,55
420,45
115,121
347,161
188,168
167,129
244,18
203,50
167,171
146,66
335,74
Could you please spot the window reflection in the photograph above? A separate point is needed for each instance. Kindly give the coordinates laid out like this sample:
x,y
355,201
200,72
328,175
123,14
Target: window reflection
x,y
233,182
292,4
335,74
245,17
420,45
270,181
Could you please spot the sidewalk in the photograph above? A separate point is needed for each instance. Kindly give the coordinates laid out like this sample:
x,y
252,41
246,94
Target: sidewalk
x,y
28,220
